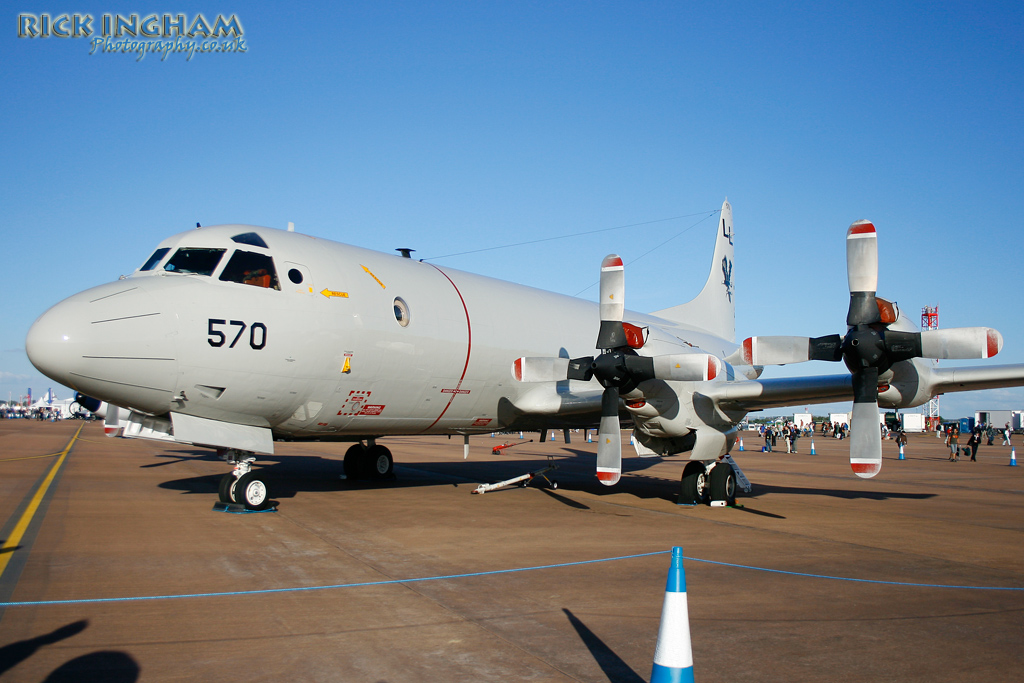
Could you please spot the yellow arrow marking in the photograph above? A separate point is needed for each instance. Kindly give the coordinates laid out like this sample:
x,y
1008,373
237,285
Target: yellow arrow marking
x,y
373,276
330,292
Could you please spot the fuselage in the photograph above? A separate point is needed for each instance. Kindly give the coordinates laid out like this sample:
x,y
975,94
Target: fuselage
x,y
316,339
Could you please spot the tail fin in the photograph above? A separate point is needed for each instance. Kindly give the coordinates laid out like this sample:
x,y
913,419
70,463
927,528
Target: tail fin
x,y
714,309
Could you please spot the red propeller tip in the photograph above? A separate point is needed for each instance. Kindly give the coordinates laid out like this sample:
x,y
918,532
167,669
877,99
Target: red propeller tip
x,y
748,350
861,228
867,469
993,343
611,261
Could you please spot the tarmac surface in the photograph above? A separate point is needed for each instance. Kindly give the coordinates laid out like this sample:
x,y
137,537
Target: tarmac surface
x,y
890,579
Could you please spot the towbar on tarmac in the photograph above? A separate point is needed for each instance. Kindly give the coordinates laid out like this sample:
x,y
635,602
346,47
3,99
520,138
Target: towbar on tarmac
x,y
522,480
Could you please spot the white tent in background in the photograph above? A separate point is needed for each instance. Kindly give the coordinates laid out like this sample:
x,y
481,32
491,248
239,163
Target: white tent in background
x,y
63,407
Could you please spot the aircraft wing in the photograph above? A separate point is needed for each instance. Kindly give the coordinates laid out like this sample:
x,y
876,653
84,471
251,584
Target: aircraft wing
x,y
971,379
790,391
758,394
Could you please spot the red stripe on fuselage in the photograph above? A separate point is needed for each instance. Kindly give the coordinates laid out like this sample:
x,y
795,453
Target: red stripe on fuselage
x,y
469,349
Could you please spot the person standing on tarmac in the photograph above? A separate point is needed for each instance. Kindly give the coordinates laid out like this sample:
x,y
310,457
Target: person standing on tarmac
x,y
974,442
953,441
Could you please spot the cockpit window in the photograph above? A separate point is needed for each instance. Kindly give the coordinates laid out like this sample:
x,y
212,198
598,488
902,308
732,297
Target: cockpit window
x,y
194,261
250,238
250,268
157,256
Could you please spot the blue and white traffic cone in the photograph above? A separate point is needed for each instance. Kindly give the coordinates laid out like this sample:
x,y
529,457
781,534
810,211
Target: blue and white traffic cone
x,y
1013,456
902,457
741,443
813,452
673,656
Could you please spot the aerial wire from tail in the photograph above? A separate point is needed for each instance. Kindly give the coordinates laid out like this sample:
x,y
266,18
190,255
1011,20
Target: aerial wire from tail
x,y
591,232
659,246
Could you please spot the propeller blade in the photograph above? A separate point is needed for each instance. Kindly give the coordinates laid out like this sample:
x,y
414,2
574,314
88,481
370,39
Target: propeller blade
x,y
540,369
613,303
609,439
862,273
961,342
780,350
865,433
687,367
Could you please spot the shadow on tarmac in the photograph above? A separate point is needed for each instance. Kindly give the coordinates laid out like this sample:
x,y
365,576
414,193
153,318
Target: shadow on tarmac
x,y
114,667
15,653
292,474
106,665
611,664
762,489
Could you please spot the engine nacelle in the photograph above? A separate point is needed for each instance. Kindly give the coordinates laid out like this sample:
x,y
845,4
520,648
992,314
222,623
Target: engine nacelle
x,y
909,386
673,417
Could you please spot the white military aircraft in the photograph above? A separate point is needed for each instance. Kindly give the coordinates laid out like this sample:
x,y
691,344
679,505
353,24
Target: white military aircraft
x,y
234,337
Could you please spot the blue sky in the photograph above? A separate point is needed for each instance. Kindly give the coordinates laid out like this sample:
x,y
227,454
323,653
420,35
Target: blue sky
x,y
449,127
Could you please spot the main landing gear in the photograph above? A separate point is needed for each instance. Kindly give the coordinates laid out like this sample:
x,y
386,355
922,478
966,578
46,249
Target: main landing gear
x,y
244,486
372,461
712,482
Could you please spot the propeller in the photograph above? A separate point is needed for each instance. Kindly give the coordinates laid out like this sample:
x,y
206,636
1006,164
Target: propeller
x,y
869,348
610,368
618,368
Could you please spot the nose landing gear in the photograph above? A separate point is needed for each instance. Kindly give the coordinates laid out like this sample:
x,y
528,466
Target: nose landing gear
x,y
243,486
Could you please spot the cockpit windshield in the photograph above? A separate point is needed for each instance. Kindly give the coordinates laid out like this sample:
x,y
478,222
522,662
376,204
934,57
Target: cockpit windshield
x,y
157,256
250,268
194,261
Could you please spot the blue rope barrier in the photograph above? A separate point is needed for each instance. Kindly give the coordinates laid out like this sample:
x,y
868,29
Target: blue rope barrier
x,y
299,589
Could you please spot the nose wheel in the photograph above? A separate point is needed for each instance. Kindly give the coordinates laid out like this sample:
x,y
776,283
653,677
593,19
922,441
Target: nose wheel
x,y
243,486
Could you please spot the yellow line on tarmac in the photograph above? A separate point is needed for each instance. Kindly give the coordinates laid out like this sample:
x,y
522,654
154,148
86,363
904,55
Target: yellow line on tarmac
x,y
26,517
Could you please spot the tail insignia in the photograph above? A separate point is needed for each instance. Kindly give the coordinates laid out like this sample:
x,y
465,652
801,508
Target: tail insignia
x,y
727,274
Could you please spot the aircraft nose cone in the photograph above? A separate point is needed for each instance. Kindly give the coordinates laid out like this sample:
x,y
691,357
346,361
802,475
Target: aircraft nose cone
x,y
44,345
111,342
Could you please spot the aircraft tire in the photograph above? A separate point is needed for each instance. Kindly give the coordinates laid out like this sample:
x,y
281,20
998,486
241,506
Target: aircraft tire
x,y
693,486
723,483
252,492
378,463
354,458
224,489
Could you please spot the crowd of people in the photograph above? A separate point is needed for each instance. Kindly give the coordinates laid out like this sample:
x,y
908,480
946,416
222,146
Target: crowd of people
x,y
789,432
952,435
19,412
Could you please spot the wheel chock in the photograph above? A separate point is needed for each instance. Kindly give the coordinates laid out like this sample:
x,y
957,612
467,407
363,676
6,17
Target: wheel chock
x,y
238,508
